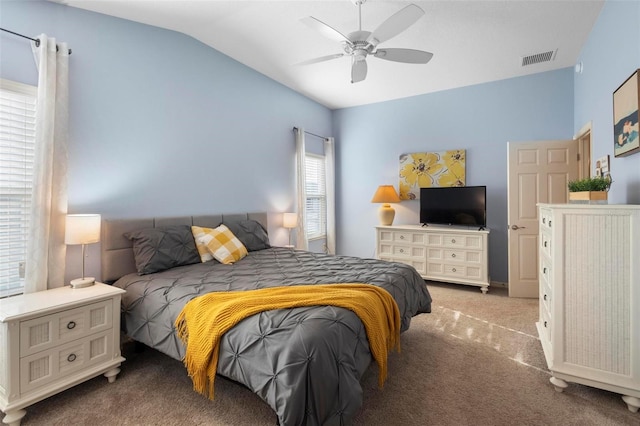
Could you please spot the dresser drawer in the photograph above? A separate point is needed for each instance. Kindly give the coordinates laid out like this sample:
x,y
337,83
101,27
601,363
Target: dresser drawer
x,y
63,361
407,251
545,243
545,218
418,263
462,256
402,237
449,270
42,333
545,321
455,240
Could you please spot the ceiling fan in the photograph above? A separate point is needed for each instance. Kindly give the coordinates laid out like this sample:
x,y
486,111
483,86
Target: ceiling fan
x,y
359,44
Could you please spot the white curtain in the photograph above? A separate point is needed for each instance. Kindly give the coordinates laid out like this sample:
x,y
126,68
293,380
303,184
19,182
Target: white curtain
x,y
329,166
45,246
302,243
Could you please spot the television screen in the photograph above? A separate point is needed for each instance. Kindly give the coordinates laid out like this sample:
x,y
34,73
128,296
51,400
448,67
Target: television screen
x,y
457,205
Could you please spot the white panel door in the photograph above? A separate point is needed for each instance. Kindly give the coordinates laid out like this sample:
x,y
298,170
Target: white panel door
x,y
538,172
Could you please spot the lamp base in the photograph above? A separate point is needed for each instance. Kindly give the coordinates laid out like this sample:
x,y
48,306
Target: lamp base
x,y
82,282
386,214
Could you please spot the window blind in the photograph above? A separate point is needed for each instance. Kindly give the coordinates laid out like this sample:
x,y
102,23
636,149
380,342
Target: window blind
x,y
316,202
17,139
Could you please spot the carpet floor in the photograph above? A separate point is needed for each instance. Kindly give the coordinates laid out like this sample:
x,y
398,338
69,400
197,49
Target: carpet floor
x,y
475,360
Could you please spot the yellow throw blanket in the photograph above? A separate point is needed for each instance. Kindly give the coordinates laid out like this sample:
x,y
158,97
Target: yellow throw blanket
x,y
204,320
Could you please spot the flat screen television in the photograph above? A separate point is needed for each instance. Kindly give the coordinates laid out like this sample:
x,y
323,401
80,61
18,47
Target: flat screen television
x,y
456,205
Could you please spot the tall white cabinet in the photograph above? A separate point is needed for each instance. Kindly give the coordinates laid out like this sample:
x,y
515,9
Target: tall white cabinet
x,y
589,324
438,253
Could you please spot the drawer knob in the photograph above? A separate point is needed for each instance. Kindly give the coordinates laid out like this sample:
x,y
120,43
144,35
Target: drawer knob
x,y
545,243
544,297
544,220
453,269
549,223
453,240
545,324
453,255
544,270
71,325
401,250
71,357
402,237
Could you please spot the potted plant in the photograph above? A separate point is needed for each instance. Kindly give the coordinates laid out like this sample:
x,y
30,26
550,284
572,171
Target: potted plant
x,y
591,189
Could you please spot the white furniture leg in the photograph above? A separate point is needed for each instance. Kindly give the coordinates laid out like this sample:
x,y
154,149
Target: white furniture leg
x,y
111,374
13,418
558,384
633,403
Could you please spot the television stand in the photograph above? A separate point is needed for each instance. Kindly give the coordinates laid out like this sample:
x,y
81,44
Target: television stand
x,y
438,253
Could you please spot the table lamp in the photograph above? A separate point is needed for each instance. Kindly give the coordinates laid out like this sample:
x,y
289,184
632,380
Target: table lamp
x,y
386,194
290,221
82,229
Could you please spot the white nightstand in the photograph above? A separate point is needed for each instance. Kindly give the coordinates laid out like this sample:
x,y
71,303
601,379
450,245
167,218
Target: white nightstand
x,y
52,340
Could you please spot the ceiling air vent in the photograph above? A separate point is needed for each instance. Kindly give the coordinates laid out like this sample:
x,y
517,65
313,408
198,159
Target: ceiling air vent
x,y
539,57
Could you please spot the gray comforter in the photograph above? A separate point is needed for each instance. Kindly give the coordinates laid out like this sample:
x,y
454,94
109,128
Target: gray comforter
x,y
306,363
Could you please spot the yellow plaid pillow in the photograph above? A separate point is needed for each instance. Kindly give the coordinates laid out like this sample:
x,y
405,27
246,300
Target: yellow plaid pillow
x,y
224,246
202,236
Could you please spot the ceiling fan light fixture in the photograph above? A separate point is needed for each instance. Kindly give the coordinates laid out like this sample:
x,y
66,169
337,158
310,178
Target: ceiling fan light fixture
x,y
358,44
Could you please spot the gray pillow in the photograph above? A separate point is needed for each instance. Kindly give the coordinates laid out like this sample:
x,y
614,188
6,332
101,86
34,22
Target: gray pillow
x,y
157,249
250,233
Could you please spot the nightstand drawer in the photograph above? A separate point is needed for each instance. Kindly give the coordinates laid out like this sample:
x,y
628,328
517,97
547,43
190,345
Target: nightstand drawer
x,y
42,333
47,366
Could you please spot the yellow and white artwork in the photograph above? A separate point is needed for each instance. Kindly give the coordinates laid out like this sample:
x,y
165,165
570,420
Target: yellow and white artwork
x,y
430,169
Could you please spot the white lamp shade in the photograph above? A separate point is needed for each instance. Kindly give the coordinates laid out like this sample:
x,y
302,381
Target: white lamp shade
x,y
290,220
82,229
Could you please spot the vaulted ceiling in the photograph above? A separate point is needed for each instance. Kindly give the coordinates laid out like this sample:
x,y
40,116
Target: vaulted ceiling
x,y
472,41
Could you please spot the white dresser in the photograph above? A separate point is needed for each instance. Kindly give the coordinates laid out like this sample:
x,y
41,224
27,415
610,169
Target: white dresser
x,y
438,253
589,322
52,340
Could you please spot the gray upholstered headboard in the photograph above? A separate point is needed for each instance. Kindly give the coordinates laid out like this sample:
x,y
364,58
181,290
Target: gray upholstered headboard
x,y
117,251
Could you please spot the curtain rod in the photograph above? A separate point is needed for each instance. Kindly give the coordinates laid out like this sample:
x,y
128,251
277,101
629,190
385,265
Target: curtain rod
x,y
313,134
36,40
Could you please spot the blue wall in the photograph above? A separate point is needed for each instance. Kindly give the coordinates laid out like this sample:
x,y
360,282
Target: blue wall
x,y
610,55
480,119
161,124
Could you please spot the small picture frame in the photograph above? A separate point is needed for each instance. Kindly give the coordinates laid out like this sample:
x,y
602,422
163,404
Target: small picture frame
x,y
626,99
602,166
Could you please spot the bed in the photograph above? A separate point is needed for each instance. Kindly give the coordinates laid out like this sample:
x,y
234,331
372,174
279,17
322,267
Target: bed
x,y
305,363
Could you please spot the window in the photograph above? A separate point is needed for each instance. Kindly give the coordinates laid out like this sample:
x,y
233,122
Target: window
x,y
17,138
316,197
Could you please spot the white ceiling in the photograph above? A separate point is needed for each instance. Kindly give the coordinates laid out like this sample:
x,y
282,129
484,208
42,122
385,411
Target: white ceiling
x,y
472,41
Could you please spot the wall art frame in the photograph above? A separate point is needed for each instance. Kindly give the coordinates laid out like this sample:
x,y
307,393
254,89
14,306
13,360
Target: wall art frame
x,y
626,115
430,169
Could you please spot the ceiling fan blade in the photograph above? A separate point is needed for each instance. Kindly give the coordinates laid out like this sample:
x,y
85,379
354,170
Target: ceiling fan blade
x,y
325,29
410,56
358,70
396,24
321,59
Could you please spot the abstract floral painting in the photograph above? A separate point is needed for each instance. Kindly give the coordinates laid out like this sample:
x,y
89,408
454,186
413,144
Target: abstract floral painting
x,y
430,169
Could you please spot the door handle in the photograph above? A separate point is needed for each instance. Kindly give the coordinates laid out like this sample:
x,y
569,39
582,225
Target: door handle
x,y
516,227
